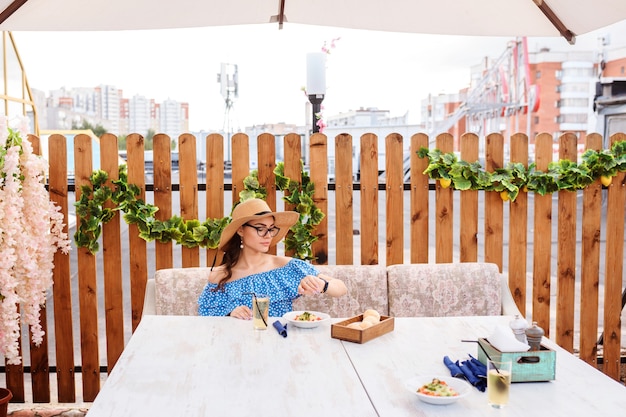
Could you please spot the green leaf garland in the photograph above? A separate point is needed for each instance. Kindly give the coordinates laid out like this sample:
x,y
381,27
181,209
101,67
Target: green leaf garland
x,y
560,175
92,213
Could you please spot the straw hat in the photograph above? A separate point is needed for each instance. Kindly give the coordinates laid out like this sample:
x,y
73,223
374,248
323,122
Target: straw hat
x,y
256,208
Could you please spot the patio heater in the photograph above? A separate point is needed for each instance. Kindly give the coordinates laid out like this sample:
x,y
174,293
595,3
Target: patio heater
x,y
316,83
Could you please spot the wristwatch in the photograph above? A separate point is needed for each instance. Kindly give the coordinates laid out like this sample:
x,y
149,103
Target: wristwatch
x,y
325,284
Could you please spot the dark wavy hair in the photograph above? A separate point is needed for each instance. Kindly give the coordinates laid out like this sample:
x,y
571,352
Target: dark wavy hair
x,y
232,251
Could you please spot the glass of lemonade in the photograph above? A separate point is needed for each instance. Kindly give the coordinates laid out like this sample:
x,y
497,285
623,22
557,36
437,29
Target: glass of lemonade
x,y
260,311
498,382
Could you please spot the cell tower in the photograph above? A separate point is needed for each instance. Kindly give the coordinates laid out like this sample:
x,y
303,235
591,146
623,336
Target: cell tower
x,y
229,88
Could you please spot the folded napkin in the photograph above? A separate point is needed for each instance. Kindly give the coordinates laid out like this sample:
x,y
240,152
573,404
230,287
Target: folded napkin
x,y
455,369
478,368
504,340
282,330
472,370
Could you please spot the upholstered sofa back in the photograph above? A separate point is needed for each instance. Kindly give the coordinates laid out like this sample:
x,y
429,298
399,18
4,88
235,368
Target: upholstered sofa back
x,y
367,288
176,290
456,289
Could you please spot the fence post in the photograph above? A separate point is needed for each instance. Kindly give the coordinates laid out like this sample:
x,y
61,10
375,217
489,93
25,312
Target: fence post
x,y
420,191
566,252
62,288
319,177
444,244
518,229
87,288
468,202
188,171
494,209
611,341
369,199
542,244
394,200
590,268
344,208
112,259
137,247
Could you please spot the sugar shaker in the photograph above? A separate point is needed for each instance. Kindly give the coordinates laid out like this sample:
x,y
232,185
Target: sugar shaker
x,y
519,326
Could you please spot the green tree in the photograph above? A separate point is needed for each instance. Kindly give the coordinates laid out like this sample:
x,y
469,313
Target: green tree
x,y
121,142
148,143
97,130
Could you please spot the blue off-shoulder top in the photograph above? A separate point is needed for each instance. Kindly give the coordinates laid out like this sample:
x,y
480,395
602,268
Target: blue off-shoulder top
x,y
281,284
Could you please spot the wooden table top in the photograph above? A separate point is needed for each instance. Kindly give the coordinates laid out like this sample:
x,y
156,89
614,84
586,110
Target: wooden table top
x,y
200,366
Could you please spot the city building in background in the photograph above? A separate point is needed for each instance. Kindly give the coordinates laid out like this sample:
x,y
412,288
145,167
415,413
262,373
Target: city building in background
x,y
106,105
528,92
520,91
362,121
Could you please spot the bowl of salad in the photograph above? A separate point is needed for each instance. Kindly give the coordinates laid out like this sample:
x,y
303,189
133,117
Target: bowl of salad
x,y
306,319
438,390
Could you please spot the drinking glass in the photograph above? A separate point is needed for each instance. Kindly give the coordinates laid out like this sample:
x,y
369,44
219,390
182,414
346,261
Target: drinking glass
x,y
260,310
498,382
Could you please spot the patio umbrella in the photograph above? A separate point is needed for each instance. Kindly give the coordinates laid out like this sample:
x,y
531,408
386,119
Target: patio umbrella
x,y
566,18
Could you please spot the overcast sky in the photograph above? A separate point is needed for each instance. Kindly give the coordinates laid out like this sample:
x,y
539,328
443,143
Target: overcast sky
x,y
390,71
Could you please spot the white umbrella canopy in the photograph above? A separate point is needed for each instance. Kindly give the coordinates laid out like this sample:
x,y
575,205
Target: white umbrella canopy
x,y
566,18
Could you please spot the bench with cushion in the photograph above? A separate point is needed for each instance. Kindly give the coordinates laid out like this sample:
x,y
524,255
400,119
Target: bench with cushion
x,y
405,290
367,288
437,290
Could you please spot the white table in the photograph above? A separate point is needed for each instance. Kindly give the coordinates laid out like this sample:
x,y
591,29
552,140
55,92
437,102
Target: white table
x,y
220,366
417,346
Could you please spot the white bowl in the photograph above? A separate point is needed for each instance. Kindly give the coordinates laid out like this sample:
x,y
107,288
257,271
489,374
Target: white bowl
x,y
291,319
459,385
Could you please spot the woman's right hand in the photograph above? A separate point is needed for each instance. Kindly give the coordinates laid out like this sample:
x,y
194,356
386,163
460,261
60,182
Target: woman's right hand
x,y
242,312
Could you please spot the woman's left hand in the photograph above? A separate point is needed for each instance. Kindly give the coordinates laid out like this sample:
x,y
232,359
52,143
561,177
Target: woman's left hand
x,y
310,285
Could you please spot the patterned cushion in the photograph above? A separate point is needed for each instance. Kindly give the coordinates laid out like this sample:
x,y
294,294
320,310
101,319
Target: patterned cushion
x,y
437,290
367,288
177,290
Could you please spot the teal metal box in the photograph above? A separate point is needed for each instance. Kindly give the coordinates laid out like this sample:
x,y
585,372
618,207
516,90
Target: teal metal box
x,y
527,366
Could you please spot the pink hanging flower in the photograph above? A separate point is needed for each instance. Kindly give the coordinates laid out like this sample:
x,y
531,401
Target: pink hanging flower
x,y
321,124
31,231
326,49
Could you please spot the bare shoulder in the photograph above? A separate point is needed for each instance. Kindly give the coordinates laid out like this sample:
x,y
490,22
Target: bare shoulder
x,y
217,274
280,261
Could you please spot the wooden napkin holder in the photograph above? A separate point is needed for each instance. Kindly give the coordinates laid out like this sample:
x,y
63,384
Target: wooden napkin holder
x,y
340,331
530,366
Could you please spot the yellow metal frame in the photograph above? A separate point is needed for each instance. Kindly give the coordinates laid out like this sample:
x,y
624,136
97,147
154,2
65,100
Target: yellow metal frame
x,y
27,95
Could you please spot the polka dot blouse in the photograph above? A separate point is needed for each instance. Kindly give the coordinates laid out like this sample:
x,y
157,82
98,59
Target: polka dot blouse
x,y
281,284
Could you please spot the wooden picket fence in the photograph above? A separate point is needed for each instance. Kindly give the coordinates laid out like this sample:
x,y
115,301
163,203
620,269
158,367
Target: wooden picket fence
x,y
505,226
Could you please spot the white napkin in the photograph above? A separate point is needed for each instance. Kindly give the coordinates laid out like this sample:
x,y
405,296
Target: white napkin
x,y
504,340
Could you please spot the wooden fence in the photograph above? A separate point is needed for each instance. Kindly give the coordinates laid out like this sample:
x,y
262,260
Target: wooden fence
x,y
505,227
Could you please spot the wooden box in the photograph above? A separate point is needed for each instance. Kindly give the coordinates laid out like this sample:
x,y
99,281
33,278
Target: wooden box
x,y
531,366
340,331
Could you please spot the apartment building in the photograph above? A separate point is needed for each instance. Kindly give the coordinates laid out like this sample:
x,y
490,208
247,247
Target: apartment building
x,y
106,105
552,92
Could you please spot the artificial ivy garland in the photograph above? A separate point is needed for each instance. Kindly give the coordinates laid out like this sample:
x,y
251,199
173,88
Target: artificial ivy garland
x,y
92,213
515,177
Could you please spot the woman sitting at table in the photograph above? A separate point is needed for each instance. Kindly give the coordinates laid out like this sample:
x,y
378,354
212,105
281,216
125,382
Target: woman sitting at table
x,y
248,268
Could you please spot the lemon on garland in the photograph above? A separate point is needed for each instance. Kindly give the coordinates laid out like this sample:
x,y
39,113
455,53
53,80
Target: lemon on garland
x,y
606,180
445,182
562,175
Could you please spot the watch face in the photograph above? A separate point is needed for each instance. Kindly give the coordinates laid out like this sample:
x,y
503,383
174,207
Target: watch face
x,y
325,285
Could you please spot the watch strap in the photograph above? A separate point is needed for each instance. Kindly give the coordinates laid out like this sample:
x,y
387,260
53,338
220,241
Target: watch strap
x,y
325,284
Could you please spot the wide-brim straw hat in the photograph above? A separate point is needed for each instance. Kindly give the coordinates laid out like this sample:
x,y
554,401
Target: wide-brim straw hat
x,y
256,208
